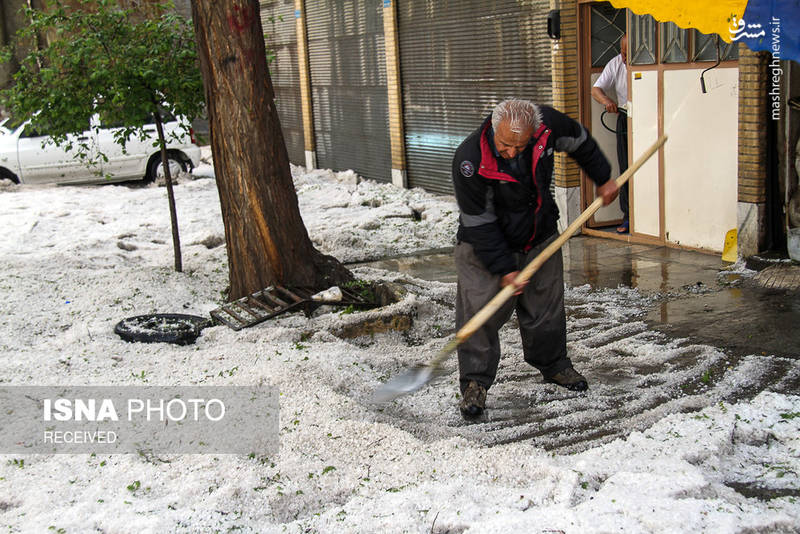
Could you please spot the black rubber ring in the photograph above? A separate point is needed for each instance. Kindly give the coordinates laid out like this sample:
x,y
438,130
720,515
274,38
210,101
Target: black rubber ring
x,y
176,328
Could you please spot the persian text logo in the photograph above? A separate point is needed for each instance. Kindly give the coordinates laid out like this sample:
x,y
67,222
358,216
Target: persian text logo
x,y
739,29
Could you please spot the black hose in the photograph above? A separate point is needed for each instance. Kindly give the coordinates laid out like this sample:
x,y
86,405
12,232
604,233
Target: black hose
x,y
623,111
715,65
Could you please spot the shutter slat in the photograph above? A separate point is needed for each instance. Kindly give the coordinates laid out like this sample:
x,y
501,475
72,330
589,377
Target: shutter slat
x,y
458,58
280,35
349,93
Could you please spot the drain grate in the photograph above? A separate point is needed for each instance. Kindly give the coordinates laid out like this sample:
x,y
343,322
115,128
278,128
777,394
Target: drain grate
x,y
274,300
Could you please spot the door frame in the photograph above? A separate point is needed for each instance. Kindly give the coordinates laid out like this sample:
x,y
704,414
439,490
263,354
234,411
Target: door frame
x,y
585,104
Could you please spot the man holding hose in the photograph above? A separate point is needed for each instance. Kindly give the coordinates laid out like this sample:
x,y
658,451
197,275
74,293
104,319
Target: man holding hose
x,y
614,81
502,174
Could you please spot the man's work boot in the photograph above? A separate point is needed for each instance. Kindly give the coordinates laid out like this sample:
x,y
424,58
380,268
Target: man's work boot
x,y
473,401
570,379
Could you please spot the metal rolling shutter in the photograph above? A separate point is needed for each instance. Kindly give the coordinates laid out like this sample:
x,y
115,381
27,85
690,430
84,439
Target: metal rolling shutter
x,y
280,34
348,79
458,58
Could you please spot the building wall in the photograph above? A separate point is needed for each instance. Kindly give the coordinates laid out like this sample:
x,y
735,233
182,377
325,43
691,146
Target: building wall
x,y
565,84
752,151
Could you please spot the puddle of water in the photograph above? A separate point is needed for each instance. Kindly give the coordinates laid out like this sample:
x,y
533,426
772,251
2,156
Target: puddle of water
x,y
438,267
741,320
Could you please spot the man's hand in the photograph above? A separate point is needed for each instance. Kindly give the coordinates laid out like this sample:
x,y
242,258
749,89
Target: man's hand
x,y
608,191
603,99
508,280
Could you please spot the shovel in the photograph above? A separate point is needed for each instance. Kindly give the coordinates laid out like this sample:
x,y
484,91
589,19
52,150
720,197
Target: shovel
x,y
419,375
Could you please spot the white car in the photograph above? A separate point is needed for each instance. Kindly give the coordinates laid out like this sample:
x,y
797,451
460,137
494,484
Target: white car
x,y
27,157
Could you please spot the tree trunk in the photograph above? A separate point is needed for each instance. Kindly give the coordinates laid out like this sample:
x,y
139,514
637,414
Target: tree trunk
x,y
267,242
173,213
7,70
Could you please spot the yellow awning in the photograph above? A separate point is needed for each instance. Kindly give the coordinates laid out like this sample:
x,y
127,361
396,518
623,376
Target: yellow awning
x,y
708,17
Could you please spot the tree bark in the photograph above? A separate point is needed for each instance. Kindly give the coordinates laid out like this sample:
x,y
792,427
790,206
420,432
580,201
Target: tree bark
x,y
173,213
267,242
9,24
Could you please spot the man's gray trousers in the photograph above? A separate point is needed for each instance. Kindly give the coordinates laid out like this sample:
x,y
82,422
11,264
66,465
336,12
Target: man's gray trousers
x,y
540,313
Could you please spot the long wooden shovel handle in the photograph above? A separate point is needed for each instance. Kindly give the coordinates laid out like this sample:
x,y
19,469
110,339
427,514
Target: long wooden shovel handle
x,y
493,305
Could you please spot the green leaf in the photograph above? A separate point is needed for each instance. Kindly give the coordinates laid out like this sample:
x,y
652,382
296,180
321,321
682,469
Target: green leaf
x,y
131,64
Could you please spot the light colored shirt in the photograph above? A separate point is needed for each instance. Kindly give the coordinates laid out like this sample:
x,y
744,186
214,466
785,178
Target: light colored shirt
x,y
614,76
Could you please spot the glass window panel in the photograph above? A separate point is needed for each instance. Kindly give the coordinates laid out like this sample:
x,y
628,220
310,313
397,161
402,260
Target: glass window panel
x,y
30,131
642,40
705,48
608,27
674,43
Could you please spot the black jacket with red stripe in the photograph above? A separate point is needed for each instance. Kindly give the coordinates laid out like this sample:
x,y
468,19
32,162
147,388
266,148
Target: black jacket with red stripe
x,y
500,214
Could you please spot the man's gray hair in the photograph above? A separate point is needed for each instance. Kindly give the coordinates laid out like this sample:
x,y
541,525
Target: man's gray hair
x,y
520,114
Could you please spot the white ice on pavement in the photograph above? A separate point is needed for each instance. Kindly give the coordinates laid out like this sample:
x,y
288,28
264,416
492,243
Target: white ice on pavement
x,y
75,260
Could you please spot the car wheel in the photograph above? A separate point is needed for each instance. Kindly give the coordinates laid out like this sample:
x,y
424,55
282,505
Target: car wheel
x,y
155,169
5,174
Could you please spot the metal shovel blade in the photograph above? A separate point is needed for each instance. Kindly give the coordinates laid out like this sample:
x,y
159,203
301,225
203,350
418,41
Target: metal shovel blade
x,y
403,384
414,378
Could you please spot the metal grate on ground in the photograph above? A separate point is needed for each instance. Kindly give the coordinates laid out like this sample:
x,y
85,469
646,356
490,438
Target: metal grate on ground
x,y
274,300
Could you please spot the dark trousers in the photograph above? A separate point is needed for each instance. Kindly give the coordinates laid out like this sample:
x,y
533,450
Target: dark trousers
x,y
622,158
540,313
